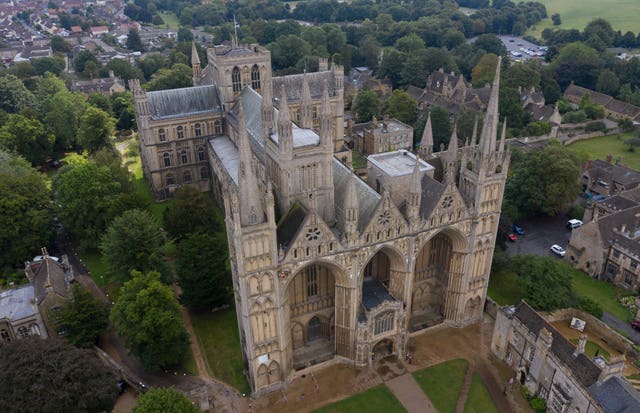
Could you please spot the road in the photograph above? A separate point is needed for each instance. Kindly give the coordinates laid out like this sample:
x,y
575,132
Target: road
x,y
617,324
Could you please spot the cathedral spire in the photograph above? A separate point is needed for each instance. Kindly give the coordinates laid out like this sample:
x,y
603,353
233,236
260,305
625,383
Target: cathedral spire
x,y
474,134
453,142
326,115
415,192
451,156
267,112
195,64
306,105
490,125
503,136
285,134
251,211
426,143
351,207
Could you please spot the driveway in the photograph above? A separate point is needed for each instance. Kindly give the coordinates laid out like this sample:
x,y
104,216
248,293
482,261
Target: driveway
x,y
540,234
617,324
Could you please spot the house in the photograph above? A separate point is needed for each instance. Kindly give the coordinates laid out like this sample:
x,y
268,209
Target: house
x,y
109,85
615,108
380,136
554,369
76,30
605,178
19,315
97,31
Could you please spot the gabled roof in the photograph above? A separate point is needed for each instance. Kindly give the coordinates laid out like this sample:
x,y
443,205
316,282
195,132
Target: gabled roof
x,y
584,370
184,102
432,191
49,273
293,85
16,304
290,223
368,198
616,395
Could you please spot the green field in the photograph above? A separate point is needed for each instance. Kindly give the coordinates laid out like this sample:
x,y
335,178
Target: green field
x,y
220,344
479,400
376,400
442,383
575,14
170,20
600,147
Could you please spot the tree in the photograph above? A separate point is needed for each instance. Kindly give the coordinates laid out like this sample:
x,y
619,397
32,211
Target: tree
x,y
54,64
14,96
24,192
67,379
133,241
633,143
180,75
133,41
555,18
58,44
27,137
84,57
191,211
83,318
84,194
95,129
600,29
203,287
184,35
521,75
147,315
63,112
541,181
366,105
490,43
288,50
402,107
485,70
608,83
167,400
441,127
577,62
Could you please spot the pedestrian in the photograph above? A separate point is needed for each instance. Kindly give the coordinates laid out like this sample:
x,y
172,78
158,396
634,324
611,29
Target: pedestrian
x,y
504,390
511,382
409,359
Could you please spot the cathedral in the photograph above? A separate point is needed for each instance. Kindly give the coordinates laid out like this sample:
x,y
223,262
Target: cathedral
x,y
326,267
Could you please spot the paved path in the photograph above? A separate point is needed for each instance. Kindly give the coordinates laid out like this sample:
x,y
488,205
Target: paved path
x,y
464,391
617,324
409,393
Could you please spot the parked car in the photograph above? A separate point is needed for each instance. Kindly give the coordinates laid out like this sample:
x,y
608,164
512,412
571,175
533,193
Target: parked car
x,y
558,250
635,324
517,229
512,237
574,223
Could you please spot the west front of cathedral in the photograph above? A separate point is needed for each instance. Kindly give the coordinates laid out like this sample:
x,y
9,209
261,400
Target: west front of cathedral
x,y
326,267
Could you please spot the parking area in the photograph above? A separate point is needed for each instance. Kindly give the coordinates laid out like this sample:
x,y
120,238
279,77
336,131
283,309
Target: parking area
x,y
540,234
520,49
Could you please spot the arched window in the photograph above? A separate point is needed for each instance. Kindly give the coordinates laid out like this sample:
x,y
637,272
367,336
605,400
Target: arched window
x,y
23,332
204,173
198,129
202,156
161,135
217,127
4,335
180,132
314,330
315,112
235,79
171,180
186,176
384,322
183,157
255,77
166,159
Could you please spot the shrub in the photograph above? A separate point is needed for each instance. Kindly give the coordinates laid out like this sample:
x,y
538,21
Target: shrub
x,y
590,306
595,126
577,116
538,128
538,405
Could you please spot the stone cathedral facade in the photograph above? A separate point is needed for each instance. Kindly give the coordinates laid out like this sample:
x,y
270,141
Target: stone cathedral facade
x,y
326,267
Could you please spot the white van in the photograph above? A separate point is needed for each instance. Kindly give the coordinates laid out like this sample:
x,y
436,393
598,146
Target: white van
x,y
574,223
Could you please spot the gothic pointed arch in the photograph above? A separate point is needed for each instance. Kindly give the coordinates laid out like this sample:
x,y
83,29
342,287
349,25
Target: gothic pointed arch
x,y
386,222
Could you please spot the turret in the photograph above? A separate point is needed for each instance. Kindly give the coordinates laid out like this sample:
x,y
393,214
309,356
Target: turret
x,y
415,193
267,113
351,209
251,211
139,97
195,64
426,143
326,118
451,157
490,125
285,134
306,105
503,136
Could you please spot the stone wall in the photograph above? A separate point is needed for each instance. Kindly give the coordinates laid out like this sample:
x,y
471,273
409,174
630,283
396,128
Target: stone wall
x,y
491,307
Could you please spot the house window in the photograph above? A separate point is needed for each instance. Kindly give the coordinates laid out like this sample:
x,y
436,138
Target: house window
x,y
616,254
4,335
35,330
204,172
628,277
509,357
161,135
198,129
217,127
315,113
532,353
171,180
186,176
312,281
384,322
634,264
183,157
180,131
166,159
23,332
255,77
515,340
235,79
202,156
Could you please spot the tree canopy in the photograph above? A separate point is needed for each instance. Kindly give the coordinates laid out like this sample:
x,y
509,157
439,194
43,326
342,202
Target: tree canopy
x,y
95,129
27,137
167,400
50,375
83,318
14,96
191,211
147,315
366,105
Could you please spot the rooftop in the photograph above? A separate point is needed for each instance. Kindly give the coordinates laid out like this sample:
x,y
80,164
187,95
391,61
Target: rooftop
x,y
398,163
18,303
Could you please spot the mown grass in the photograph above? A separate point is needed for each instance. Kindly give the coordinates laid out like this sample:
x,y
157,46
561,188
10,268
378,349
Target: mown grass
x,y
591,348
170,20
576,14
220,344
600,147
479,400
375,400
442,383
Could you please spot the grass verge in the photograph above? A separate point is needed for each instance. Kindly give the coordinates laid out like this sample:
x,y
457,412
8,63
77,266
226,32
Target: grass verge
x,y
600,147
220,344
442,383
375,400
479,400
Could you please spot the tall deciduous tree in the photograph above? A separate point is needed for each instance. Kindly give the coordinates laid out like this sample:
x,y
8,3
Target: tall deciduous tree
x,y
83,318
14,96
27,137
67,379
402,107
191,211
133,241
63,112
147,315
180,75
203,272
366,105
441,127
26,200
167,400
484,71
95,129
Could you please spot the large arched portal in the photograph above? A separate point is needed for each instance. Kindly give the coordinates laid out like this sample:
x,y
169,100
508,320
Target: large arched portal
x,y
430,280
311,300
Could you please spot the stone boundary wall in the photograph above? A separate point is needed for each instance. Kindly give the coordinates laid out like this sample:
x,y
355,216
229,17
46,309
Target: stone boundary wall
x,y
491,307
582,136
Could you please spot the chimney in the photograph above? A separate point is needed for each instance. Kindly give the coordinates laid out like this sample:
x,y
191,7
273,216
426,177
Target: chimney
x,y
580,347
385,121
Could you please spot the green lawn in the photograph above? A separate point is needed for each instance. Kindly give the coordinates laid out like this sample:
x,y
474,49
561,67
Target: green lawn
x,y
591,348
189,364
170,20
479,400
220,343
576,14
599,148
358,161
606,294
376,400
442,383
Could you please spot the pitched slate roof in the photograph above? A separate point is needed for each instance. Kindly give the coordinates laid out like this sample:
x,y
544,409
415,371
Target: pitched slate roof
x,y
431,193
368,198
584,370
51,273
184,102
374,294
293,85
616,395
289,224
16,304
610,227
594,97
